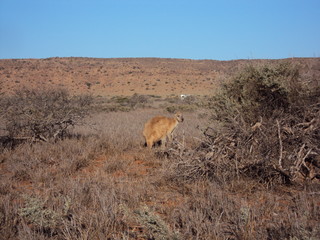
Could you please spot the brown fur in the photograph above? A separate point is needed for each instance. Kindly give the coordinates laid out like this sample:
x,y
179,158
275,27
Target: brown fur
x,y
159,128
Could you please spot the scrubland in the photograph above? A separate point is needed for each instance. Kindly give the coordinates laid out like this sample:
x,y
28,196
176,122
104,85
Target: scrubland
x,y
243,165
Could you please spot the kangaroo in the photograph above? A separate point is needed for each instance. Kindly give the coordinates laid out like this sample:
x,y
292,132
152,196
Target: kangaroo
x,y
159,128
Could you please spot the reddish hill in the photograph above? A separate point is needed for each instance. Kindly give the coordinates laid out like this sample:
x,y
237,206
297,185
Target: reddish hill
x,y
109,77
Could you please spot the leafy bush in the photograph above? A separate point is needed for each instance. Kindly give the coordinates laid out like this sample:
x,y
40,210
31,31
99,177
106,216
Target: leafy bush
x,y
45,114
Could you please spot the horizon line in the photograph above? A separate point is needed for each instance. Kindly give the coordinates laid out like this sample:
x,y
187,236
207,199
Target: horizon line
x,y
168,58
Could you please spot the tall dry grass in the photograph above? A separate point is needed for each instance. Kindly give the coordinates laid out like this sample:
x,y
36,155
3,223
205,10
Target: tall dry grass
x,y
99,182
90,185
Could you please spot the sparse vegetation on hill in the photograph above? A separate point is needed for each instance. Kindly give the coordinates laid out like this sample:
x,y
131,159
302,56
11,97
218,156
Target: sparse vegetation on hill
x,y
243,165
145,76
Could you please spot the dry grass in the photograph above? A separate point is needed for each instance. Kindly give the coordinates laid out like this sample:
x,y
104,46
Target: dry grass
x,y
89,186
120,127
104,184
101,183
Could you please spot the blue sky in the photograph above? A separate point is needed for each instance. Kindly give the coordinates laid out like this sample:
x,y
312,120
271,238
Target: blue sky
x,y
199,29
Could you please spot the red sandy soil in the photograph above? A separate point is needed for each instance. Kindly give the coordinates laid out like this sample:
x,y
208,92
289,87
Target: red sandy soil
x,y
121,76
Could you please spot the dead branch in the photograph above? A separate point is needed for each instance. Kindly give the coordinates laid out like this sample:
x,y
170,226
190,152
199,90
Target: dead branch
x,y
299,160
280,145
43,138
257,125
306,124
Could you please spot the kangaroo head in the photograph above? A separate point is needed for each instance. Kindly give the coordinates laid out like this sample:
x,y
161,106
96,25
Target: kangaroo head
x,y
178,116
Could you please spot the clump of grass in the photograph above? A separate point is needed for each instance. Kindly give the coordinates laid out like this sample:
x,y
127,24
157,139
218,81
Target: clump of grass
x,y
155,227
36,213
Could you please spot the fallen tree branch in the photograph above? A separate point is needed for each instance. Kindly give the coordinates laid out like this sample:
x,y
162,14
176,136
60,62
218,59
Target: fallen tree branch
x,y
280,145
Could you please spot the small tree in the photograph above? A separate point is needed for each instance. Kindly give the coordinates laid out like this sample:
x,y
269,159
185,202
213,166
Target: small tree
x,y
45,114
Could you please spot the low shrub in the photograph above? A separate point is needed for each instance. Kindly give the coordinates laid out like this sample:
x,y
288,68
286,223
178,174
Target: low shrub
x,y
126,104
43,114
155,227
181,108
264,125
258,92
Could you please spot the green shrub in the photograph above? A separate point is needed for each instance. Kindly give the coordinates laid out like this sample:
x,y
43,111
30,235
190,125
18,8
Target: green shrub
x,y
36,213
156,227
